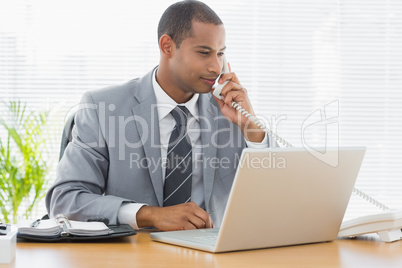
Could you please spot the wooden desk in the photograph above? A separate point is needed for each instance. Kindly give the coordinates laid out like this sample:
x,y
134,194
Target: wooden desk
x,y
140,251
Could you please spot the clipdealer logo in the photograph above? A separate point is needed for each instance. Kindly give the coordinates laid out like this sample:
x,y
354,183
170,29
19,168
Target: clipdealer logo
x,y
319,131
324,125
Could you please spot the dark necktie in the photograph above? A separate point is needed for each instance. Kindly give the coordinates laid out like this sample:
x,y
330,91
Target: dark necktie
x,y
177,188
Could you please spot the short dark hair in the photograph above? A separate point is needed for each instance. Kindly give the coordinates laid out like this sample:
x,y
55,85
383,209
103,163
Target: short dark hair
x,y
177,19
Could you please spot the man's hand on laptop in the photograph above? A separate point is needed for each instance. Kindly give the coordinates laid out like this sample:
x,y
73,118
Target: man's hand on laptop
x,y
179,217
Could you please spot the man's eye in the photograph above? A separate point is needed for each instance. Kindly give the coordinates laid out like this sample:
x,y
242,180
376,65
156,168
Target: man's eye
x,y
221,53
204,52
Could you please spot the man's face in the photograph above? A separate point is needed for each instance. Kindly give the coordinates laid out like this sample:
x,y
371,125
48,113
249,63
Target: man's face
x,y
199,60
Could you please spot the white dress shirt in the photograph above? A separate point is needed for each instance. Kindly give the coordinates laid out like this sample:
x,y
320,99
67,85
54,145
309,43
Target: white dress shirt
x,y
165,104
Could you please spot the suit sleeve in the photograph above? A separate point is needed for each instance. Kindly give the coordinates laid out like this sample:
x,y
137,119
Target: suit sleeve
x,y
81,178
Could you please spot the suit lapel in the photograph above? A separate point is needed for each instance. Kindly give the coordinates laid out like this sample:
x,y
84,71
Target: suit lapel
x,y
208,112
146,115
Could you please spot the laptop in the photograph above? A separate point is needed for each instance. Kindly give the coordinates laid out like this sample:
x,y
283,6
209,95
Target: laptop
x,y
279,197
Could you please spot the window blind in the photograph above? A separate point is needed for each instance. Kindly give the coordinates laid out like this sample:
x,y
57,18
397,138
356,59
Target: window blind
x,y
320,73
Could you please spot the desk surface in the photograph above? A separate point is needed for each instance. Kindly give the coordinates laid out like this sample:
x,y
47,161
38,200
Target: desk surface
x,y
140,251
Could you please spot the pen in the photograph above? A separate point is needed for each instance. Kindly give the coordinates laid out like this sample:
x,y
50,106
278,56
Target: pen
x,y
35,223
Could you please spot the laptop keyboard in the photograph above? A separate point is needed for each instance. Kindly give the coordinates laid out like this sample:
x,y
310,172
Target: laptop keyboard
x,y
211,238
207,237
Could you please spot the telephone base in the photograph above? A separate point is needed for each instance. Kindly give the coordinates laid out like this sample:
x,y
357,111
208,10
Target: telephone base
x,y
387,225
391,235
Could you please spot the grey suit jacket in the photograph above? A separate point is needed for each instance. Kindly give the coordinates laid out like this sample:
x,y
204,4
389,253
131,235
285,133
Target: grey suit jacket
x,y
115,155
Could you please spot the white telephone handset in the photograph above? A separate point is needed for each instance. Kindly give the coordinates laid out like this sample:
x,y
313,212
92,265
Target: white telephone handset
x,y
387,225
218,87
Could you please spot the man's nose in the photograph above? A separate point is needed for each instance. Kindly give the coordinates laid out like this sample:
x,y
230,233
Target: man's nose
x,y
215,65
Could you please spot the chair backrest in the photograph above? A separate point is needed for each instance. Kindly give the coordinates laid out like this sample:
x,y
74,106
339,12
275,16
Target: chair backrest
x,y
65,139
67,134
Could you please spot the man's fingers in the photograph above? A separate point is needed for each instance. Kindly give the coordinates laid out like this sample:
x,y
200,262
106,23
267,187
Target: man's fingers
x,y
201,218
229,76
197,222
182,217
231,86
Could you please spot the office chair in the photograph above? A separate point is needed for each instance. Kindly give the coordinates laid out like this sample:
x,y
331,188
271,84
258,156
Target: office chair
x,y
66,137
67,134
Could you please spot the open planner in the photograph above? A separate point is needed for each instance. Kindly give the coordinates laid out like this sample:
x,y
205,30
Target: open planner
x,y
61,228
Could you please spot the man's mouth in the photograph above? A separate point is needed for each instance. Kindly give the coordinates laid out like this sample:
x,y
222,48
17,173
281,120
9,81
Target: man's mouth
x,y
210,82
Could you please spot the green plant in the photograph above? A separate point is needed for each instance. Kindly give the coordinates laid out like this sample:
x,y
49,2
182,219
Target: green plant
x,y
23,166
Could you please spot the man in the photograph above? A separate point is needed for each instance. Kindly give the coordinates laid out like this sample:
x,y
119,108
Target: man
x,y
117,165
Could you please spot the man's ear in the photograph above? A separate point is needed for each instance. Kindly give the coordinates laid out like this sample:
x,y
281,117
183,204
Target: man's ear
x,y
166,45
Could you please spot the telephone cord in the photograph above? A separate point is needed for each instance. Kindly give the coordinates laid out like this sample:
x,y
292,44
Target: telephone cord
x,y
370,199
282,141
260,124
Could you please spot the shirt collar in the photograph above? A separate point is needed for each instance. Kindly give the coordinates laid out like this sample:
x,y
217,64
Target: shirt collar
x,y
165,104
